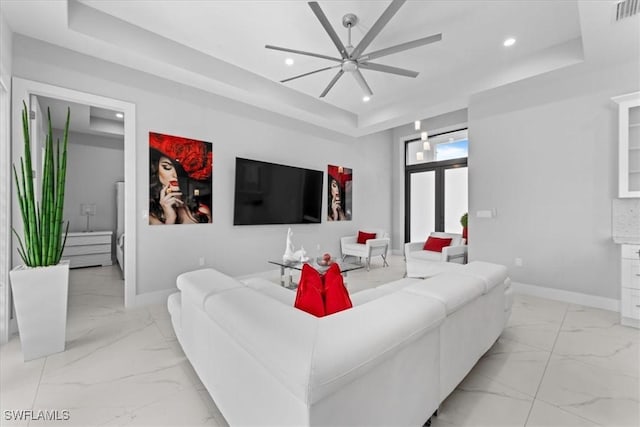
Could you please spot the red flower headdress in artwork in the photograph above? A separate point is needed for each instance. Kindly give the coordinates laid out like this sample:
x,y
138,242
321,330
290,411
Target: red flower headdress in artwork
x,y
340,174
192,155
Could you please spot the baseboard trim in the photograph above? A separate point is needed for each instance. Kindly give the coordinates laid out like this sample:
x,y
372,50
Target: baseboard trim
x,y
150,298
566,296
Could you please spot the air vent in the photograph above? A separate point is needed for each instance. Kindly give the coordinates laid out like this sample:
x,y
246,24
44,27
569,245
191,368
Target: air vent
x,y
627,8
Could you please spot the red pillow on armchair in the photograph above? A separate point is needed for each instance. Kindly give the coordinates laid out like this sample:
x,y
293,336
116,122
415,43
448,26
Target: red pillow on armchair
x,y
309,296
336,296
436,244
363,237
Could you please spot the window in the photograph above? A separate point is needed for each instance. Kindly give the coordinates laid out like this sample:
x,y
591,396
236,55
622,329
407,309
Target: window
x,y
446,146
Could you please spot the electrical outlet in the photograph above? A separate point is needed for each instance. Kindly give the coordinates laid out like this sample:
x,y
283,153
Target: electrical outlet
x,y
201,261
518,262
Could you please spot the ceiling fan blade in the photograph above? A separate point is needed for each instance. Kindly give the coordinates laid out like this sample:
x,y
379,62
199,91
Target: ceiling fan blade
x,y
315,7
331,83
302,52
388,69
307,74
362,82
401,47
377,27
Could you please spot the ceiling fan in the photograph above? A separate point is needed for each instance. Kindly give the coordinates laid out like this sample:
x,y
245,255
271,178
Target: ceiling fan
x,y
353,59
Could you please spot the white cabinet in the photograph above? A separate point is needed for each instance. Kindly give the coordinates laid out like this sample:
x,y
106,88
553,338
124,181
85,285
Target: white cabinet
x,y
84,249
630,292
628,144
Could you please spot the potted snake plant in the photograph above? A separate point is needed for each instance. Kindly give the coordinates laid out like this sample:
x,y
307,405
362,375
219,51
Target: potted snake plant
x,y
40,286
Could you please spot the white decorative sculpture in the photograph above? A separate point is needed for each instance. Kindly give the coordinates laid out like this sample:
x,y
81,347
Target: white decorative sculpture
x,y
288,252
301,255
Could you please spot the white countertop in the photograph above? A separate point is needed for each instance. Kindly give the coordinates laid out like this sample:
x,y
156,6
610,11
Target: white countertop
x,y
627,240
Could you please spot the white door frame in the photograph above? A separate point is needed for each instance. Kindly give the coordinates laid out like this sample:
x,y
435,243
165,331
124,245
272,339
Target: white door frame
x,y
5,212
21,90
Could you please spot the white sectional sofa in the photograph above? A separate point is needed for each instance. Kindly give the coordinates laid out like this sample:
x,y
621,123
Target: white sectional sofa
x,y
389,360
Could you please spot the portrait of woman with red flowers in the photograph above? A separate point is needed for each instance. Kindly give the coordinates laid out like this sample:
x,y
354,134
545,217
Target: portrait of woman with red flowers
x,y
179,180
339,193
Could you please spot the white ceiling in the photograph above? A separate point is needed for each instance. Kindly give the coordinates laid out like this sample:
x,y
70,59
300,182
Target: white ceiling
x,y
218,46
85,119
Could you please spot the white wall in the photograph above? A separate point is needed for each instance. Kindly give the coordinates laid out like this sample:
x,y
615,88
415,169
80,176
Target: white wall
x,y
235,129
543,153
93,168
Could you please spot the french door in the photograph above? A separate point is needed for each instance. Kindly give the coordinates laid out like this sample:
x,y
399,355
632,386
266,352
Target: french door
x,y
436,191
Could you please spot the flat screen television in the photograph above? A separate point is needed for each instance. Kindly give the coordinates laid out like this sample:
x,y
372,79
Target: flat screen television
x,y
269,193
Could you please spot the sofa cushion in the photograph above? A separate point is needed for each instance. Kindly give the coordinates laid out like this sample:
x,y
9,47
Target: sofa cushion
x,y
198,285
371,332
336,296
366,295
418,269
454,289
309,296
426,255
397,285
256,323
271,289
490,274
355,248
364,236
435,244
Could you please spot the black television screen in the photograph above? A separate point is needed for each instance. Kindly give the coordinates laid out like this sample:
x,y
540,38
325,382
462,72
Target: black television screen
x,y
268,193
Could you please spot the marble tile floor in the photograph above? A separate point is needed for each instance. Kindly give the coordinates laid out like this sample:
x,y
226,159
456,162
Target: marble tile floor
x,y
556,364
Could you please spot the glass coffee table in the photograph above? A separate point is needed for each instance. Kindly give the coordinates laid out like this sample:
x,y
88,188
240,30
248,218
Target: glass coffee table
x,y
345,267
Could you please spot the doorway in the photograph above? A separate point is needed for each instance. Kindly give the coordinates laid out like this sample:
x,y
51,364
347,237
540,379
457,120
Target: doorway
x,y
436,184
23,90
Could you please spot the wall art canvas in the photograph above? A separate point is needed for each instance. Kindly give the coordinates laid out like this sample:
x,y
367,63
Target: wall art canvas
x,y
339,193
179,180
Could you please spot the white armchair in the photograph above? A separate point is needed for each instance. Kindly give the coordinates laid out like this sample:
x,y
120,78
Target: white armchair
x,y
425,263
379,246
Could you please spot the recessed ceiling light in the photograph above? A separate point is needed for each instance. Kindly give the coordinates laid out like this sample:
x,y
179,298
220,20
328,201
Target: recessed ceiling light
x,y
289,61
366,98
119,115
509,42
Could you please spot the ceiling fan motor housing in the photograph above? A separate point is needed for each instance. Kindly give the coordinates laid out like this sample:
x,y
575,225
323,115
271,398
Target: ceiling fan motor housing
x,y
349,65
349,20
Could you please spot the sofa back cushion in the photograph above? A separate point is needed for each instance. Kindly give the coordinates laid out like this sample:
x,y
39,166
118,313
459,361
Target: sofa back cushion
x,y
272,290
198,285
280,338
490,274
354,341
336,297
309,296
453,289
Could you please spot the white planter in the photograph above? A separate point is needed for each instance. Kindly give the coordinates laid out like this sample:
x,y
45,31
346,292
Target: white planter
x,y
40,299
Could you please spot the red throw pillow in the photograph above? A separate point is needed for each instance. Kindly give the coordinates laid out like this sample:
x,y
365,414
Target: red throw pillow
x,y
310,289
336,296
436,244
363,237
